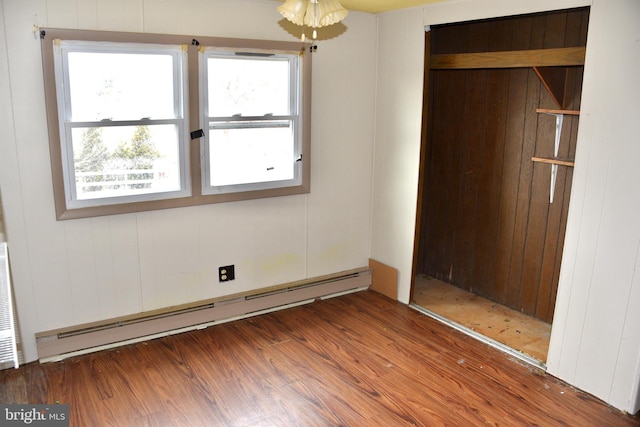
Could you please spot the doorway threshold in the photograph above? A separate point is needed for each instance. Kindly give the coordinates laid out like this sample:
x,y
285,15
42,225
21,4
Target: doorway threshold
x,y
489,341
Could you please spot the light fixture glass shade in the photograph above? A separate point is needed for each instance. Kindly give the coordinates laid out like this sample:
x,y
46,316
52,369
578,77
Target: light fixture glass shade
x,y
312,18
330,12
294,10
313,13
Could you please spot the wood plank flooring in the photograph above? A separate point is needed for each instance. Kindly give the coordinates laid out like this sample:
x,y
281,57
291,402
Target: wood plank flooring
x,y
355,360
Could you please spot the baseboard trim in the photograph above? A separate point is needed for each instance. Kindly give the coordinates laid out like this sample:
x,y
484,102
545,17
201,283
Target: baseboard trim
x,y
66,342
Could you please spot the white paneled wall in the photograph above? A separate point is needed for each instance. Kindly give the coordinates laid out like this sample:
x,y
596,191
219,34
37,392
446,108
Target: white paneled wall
x,y
595,342
397,149
77,271
1,221
599,296
337,166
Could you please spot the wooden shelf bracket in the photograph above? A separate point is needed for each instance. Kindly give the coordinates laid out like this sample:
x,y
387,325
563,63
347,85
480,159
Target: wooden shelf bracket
x,y
554,161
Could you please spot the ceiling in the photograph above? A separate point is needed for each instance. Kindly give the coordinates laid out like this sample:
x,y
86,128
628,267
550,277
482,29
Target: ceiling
x,y
377,6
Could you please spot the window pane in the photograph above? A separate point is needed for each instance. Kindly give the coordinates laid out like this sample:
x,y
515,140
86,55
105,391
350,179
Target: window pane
x,y
125,160
249,155
120,86
251,87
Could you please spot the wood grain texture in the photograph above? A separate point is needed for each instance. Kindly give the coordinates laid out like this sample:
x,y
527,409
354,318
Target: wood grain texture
x,y
359,359
554,80
555,111
553,161
486,222
571,56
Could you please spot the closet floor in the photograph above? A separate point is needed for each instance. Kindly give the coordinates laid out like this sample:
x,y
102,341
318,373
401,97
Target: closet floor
x,y
509,327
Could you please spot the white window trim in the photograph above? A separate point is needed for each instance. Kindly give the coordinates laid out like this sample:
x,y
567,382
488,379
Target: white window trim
x,y
66,124
295,90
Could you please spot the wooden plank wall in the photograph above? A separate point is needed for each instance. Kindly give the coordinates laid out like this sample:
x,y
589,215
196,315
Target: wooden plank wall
x,y
487,225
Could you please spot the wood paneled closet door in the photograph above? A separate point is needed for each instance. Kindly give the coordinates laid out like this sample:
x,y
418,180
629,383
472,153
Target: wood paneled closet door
x,y
487,223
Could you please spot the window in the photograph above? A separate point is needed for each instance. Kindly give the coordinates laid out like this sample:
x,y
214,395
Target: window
x,y
122,122
140,122
252,119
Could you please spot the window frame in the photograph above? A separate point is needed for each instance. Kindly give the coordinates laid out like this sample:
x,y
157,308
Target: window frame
x,y
241,121
193,145
67,124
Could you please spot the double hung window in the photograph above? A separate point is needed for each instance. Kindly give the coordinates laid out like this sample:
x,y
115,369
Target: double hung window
x,y
252,119
140,122
122,122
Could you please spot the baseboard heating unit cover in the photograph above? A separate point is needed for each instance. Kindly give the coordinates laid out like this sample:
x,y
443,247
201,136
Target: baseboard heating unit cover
x,y
61,343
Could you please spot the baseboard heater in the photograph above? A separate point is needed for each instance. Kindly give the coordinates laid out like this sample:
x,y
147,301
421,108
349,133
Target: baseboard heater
x,y
66,342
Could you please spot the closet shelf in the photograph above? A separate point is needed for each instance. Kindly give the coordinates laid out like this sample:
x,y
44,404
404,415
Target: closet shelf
x,y
554,161
551,111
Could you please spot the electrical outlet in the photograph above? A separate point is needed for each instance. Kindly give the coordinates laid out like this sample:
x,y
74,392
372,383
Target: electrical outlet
x,y
226,273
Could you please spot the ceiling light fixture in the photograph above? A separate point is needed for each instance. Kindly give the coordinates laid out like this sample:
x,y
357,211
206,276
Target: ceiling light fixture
x,y
313,13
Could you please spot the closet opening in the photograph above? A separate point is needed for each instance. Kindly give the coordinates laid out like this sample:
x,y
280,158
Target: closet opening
x,y
500,119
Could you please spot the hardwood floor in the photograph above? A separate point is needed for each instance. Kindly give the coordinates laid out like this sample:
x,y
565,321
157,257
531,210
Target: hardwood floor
x,y
359,359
